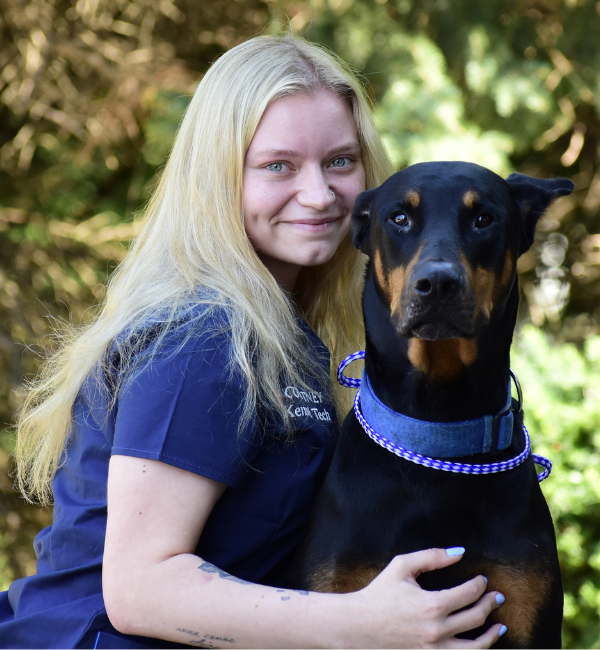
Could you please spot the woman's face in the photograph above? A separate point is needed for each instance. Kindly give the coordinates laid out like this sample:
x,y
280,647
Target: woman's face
x,y
302,173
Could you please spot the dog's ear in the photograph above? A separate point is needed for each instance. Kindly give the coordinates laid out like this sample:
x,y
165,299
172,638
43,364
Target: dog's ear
x,y
533,197
361,220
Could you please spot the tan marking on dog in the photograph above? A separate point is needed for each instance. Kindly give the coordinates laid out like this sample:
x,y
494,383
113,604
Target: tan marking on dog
x,y
526,592
380,276
505,277
467,351
342,580
396,285
470,198
444,359
413,198
483,283
486,284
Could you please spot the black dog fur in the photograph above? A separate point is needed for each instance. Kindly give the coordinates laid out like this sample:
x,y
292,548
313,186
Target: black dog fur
x,y
440,305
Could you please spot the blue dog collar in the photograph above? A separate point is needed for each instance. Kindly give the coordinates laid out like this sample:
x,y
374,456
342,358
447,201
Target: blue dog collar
x,y
437,439
435,463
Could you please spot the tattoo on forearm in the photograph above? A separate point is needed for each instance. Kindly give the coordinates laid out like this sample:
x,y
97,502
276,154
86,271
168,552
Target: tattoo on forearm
x,y
301,592
206,641
207,567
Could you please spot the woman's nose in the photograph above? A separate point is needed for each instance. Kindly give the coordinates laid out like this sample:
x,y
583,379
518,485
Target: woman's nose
x,y
314,191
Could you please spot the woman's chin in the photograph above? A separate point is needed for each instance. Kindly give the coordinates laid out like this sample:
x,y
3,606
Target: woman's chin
x,y
317,256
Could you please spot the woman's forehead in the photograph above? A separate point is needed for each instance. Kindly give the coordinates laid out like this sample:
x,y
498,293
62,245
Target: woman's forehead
x,y
296,122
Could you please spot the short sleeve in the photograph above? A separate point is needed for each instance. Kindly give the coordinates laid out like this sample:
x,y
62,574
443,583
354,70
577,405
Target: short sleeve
x,y
184,409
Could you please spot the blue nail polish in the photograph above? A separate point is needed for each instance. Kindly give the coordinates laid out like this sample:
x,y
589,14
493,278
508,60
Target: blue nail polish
x,y
486,580
502,631
455,550
499,599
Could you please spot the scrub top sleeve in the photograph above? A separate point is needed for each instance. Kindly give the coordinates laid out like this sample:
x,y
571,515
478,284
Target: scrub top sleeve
x,y
184,409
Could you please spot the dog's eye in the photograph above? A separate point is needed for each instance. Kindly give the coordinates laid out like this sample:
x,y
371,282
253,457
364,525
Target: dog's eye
x,y
400,219
484,220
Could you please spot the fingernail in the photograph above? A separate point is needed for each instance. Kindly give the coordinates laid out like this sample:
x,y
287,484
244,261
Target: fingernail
x,y
486,580
500,599
455,550
502,631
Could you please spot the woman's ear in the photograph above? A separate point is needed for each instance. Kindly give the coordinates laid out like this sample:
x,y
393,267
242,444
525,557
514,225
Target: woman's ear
x,y
361,220
533,197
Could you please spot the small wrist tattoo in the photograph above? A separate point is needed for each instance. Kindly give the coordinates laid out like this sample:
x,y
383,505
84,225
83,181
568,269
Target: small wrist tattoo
x,y
203,641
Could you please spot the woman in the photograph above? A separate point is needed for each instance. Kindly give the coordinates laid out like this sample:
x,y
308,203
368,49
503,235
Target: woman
x,y
204,389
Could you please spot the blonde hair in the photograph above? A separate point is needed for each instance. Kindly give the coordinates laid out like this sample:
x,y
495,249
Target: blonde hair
x,y
193,249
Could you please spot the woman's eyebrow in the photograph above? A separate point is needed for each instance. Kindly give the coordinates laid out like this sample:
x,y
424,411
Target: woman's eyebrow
x,y
348,146
278,153
290,153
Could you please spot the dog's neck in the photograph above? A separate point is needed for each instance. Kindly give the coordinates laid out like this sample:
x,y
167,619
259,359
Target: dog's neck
x,y
477,389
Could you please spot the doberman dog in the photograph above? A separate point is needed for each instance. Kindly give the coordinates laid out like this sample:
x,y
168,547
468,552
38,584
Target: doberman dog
x,y
440,306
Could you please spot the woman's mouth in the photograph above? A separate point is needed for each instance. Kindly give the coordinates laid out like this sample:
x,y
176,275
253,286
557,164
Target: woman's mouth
x,y
314,225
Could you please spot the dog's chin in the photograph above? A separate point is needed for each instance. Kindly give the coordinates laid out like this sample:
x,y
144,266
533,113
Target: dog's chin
x,y
438,331
432,326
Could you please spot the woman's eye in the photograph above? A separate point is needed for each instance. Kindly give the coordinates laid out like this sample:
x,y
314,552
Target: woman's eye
x,y
342,161
484,220
277,167
400,219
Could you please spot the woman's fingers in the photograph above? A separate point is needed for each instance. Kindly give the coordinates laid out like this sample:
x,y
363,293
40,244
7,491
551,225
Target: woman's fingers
x,y
486,640
473,617
413,564
464,595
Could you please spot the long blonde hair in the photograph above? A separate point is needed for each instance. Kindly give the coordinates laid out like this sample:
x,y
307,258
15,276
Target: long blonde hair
x,y
193,238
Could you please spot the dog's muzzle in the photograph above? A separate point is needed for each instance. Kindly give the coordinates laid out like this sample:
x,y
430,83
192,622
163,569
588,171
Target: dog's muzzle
x,y
437,303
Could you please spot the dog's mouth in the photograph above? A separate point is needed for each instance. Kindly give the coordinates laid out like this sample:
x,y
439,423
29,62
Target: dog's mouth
x,y
421,318
438,331
434,325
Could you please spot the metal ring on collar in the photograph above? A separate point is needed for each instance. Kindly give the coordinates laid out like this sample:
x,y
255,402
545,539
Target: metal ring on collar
x,y
519,391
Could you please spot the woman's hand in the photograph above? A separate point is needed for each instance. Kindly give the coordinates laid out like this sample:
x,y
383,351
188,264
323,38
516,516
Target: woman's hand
x,y
395,612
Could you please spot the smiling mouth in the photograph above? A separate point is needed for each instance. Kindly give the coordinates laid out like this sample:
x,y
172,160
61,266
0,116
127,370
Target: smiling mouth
x,y
314,222
316,226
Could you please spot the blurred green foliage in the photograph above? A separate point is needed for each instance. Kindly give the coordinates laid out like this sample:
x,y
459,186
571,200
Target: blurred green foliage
x,y
561,391
92,92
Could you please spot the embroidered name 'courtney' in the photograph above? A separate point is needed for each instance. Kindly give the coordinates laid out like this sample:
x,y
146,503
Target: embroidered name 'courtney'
x,y
315,398
302,411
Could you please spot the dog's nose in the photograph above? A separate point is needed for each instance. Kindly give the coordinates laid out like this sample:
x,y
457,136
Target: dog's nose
x,y
437,280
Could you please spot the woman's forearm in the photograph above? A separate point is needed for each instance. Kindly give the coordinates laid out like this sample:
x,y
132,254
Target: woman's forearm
x,y
154,586
188,600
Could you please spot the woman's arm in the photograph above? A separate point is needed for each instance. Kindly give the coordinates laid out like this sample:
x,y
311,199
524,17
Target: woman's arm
x,y
154,586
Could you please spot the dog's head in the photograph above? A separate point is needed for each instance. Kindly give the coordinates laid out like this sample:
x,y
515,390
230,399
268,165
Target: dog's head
x,y
444,238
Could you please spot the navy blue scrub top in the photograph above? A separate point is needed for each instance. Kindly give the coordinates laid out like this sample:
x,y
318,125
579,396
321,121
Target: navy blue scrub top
x,y
182,409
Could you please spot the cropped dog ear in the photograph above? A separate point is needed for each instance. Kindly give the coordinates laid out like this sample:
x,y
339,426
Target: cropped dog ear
x,y
534,196
361,220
